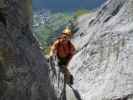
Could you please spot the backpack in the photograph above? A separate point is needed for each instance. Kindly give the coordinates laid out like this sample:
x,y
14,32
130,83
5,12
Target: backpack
x,y
65,49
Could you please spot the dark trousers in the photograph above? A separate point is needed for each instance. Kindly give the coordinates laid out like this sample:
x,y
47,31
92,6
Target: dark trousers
x,y
63,62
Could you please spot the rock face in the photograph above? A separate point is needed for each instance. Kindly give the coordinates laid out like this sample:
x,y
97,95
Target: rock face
x,y
57,79
23,69
103,67
62,90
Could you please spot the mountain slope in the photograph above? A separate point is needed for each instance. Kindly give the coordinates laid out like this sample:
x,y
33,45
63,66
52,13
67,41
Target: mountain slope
x,y
103,66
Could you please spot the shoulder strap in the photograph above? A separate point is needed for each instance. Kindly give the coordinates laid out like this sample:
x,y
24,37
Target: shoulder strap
x,y
71,47
69,44
58,47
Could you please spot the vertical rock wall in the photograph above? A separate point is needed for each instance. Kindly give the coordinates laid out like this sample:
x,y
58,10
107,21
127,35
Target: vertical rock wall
x,y
103,67
23,70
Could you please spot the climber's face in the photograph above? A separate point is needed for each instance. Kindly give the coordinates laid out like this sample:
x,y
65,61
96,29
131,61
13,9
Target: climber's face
x,y
67,35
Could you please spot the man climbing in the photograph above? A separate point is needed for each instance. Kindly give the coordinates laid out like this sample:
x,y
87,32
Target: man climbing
x,y
64,50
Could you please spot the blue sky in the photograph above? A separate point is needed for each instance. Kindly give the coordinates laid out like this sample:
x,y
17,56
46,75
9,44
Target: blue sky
x,y
66,5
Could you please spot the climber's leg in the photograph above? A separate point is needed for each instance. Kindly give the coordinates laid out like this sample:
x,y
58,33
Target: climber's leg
x,y
71,79
68,76
63,62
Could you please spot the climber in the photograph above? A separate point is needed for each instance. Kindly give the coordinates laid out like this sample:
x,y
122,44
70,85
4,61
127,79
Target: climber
x,y
64,50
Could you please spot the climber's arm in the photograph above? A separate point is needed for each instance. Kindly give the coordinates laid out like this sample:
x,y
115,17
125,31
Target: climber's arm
x,y
53,49
73,49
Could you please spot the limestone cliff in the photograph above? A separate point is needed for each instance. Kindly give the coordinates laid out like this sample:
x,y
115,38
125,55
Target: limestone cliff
x,y
103,67
23,69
